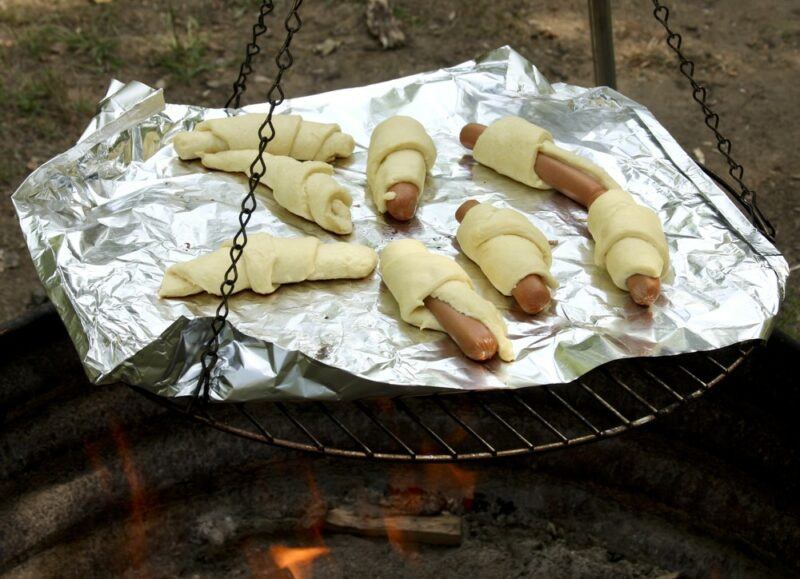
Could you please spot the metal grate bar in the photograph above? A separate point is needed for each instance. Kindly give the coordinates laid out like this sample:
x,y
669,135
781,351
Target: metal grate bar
x,y
630,391
505,424
663,384
440,403
537,416
301,426
692,376
717,363
402,406
344,428
365,409
604,402
264,432
569,407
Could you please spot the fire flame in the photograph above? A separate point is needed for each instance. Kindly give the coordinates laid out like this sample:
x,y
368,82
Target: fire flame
x,y
137,528
447,477
297,560
98,466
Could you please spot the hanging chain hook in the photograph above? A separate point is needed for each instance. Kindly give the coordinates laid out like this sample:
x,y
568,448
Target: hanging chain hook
x,y
266,133
746,196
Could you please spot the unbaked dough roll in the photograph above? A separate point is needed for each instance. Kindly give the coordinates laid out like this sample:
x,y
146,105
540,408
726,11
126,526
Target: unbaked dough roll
x,y
412,274
510,146
628,237
267,263
506,246
294,137
307,188
400,151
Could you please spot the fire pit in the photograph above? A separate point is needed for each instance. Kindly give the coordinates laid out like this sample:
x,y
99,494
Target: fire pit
x,y
102,478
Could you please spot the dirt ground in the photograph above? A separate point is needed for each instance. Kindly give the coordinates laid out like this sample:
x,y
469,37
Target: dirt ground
x,y
59,55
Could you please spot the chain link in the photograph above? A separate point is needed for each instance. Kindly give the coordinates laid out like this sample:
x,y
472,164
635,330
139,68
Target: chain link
x,y
252,48
746,196
266,133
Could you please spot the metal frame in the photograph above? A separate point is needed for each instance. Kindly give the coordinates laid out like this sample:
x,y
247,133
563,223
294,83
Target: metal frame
x,y
473,426
600,24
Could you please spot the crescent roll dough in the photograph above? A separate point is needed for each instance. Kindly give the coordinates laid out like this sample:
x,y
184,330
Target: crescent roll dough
x,y
412,274
267,263
294,137
307,189
506,246
400,151
628,237
510,146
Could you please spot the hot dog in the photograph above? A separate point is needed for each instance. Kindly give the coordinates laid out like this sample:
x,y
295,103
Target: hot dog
x,y
582,189
531,292
404,205
474,339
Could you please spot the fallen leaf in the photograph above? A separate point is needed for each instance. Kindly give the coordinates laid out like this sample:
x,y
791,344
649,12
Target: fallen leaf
x,y
699,155
328,46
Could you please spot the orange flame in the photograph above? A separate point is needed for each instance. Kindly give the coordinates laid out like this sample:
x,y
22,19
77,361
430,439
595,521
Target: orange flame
x,y
137,531
398,541
297,560
449,477
98,466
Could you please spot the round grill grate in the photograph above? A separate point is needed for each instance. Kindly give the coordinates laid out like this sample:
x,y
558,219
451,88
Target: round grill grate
x,y
607,401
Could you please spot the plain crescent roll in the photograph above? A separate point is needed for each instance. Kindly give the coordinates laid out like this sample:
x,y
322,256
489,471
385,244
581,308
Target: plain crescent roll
x,y
628,237
306,188
294,137
267,263
510,146
400,151
506,246
412,274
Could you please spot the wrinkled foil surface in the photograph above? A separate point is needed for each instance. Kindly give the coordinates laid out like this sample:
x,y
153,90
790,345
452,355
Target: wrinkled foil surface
x,y
104,220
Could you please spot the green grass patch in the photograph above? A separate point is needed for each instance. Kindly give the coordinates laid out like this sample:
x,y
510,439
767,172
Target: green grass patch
x,y
36,41
99,48
186,57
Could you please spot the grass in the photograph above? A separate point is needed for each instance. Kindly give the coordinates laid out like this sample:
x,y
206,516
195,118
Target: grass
x,y
91,43
36,41
186,56
38,94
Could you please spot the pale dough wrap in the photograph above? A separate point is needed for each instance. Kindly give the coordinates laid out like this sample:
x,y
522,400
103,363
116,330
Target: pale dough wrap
x,y
412,274
628,237
267,263
306,188
294,137
510,146
400,151
506,246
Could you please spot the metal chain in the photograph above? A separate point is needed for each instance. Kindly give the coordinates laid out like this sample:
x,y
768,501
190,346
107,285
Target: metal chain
x,y
746,196
252,48
266,133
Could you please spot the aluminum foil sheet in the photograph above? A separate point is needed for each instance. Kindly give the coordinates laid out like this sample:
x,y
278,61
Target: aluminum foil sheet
x,y
104,220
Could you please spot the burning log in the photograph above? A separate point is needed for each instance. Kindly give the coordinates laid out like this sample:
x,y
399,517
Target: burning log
x,y
441,529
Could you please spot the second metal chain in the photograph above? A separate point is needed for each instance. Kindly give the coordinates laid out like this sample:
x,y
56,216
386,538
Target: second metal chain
x,y
746,196
266,133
